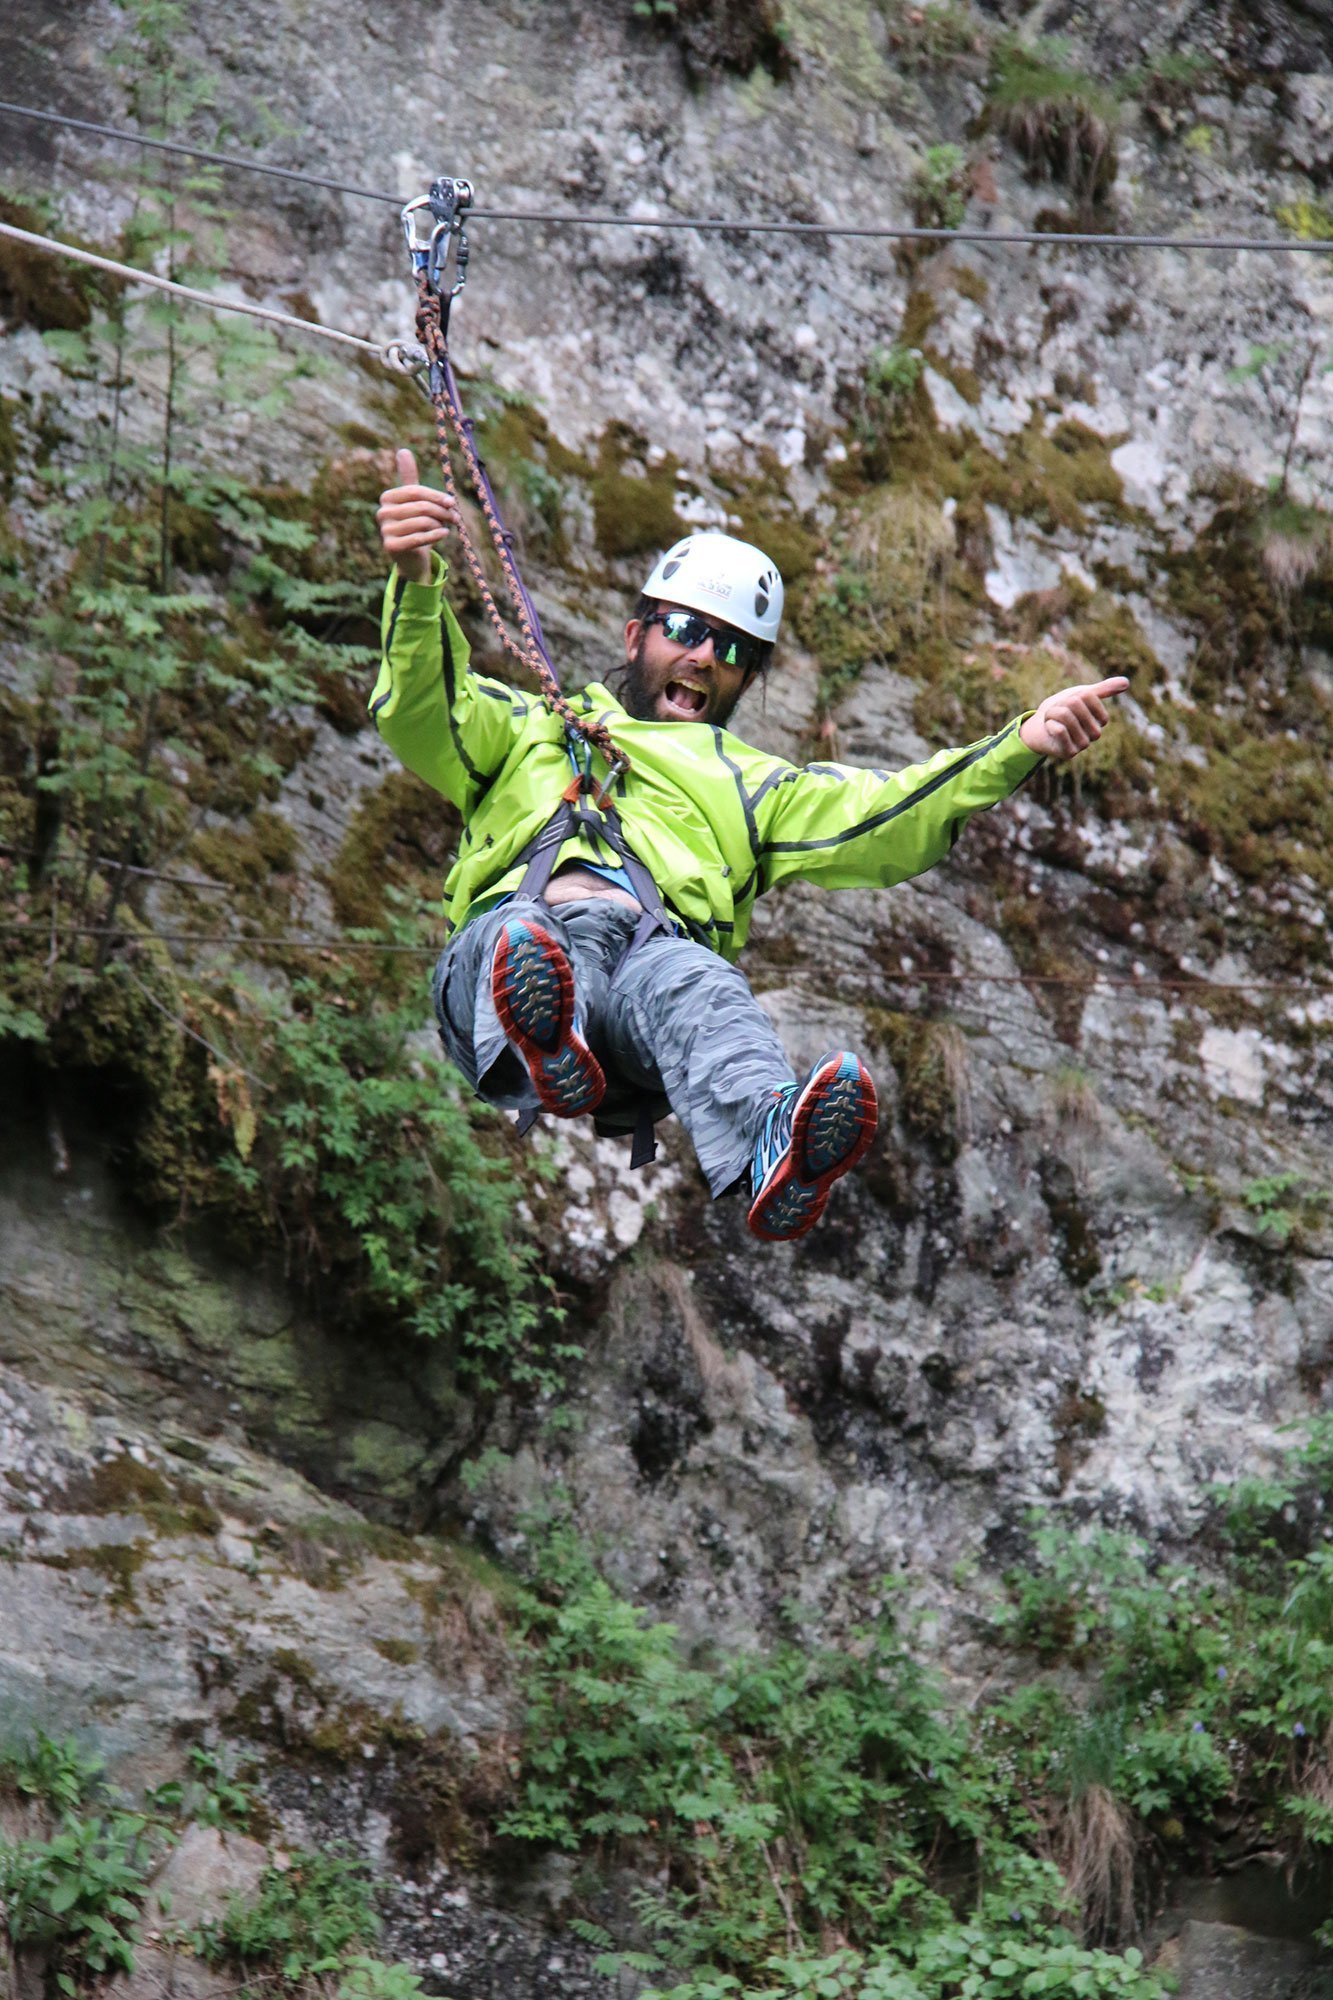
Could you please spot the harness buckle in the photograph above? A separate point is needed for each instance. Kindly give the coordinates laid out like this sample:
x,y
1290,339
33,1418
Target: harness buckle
x,y
435,228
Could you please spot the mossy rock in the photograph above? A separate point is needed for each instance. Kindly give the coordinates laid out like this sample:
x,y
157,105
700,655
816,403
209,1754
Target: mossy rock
x,y
1062,121
634,506
1263,803
713,35
39,290
930,1061
9,445
1052,478
249,854
401,840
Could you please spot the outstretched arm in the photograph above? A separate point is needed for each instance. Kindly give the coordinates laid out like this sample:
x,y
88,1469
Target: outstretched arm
x,y
856,829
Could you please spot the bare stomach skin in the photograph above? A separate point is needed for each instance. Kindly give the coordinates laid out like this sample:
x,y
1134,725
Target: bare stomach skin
x,y
575,885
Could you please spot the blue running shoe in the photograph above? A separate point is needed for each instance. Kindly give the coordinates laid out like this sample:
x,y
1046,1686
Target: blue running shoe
x,y
533,987
816,1132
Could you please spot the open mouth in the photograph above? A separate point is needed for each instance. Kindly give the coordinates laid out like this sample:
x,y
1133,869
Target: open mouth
x,y
683,702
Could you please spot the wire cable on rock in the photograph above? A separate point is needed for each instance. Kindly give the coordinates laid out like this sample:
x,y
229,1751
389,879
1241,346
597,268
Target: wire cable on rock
x,y
290,941
738,225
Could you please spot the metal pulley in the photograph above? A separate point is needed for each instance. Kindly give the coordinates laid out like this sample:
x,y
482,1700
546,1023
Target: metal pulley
x,y
435,226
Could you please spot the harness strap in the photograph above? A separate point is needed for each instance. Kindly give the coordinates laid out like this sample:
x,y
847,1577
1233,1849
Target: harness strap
x,y
572,816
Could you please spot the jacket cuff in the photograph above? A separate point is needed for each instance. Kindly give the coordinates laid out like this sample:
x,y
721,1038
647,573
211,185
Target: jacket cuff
x,y
1011,753
423,599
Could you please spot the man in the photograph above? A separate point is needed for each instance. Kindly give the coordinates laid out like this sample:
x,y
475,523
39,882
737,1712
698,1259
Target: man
x,y
593,972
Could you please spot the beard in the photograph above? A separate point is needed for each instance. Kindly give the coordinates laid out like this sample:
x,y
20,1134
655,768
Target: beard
x,y
639,690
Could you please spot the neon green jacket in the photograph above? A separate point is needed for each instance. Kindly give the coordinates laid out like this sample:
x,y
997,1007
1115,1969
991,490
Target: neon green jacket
x,y
716,822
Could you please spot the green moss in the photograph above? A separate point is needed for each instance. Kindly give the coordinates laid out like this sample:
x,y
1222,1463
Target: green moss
x,y
1308,220
1262,803
295,1667
919,316
123,1485
1062,121
965,380
929,1060
634,509
134,1068
117,1563
973,694
1110,641
317,1728
44,291
197,544
1052,478
400,840
399,1652
9,446
248,855
970,283
769,518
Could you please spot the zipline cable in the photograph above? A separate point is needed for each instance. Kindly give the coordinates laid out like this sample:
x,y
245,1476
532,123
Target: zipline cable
x,y
133,275
737,225
291,942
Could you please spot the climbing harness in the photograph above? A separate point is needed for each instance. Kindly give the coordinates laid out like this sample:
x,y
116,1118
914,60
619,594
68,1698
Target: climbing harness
x,y
435,228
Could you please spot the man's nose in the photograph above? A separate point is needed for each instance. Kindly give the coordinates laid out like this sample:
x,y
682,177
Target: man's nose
x,y
703,653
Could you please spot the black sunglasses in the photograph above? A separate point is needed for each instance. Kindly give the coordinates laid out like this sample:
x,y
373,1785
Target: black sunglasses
x,y
730,647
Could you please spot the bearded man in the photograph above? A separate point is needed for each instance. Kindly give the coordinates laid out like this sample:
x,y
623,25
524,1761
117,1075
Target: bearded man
x,y
591,963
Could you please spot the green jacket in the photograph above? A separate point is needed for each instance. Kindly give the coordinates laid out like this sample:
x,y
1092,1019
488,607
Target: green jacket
x,y
716,822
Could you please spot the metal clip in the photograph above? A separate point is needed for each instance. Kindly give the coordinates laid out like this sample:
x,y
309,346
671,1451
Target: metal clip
x,y
446,206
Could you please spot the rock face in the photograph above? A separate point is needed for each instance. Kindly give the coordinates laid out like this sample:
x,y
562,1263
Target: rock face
x,y
1090,1261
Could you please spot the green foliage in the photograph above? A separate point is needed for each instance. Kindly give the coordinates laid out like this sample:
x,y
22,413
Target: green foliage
x,y
366,1978
939,191
135,675
60,1774
77,1895
195,611
797,1797
894,372
786,1797
364,1157
1061,120
1279,1202
1309,220
303,1919
212,1796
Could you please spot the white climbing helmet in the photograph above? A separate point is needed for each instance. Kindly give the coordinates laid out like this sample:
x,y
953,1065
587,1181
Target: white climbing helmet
x,y
732,581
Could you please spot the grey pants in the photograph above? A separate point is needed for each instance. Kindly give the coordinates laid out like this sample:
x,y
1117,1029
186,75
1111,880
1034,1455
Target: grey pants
x,y
677,1023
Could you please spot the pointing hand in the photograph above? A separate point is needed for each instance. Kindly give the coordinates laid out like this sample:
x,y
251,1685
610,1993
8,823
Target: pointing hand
x,y
1069,721
412,518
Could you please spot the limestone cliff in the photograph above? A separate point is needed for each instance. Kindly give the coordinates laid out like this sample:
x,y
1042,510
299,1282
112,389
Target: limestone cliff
x,y
1089,1267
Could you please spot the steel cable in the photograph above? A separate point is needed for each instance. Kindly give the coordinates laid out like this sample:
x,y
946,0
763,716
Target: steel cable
x,y
739,225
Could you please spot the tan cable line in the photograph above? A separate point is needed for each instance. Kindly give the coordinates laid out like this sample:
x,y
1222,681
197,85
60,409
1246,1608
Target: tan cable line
x,y
133,275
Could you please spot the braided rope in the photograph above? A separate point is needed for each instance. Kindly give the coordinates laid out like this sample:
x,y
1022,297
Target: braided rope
x,y
450,425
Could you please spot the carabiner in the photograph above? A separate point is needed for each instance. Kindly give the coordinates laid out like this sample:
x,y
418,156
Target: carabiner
x,y
447,205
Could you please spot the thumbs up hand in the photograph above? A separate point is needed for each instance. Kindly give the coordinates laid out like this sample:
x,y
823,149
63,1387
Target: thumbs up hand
x,y
412,519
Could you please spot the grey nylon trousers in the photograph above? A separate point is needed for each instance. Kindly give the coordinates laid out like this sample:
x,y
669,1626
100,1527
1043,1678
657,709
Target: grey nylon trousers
x,y
677,1022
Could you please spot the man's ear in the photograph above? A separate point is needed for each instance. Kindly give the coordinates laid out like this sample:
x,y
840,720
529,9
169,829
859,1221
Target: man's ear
x,y
633,634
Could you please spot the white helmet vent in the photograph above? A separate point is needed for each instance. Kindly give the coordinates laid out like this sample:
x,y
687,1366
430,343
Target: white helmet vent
x,y
715,573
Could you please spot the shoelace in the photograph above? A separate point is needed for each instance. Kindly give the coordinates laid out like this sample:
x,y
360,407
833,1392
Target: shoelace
x,y
775,1134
